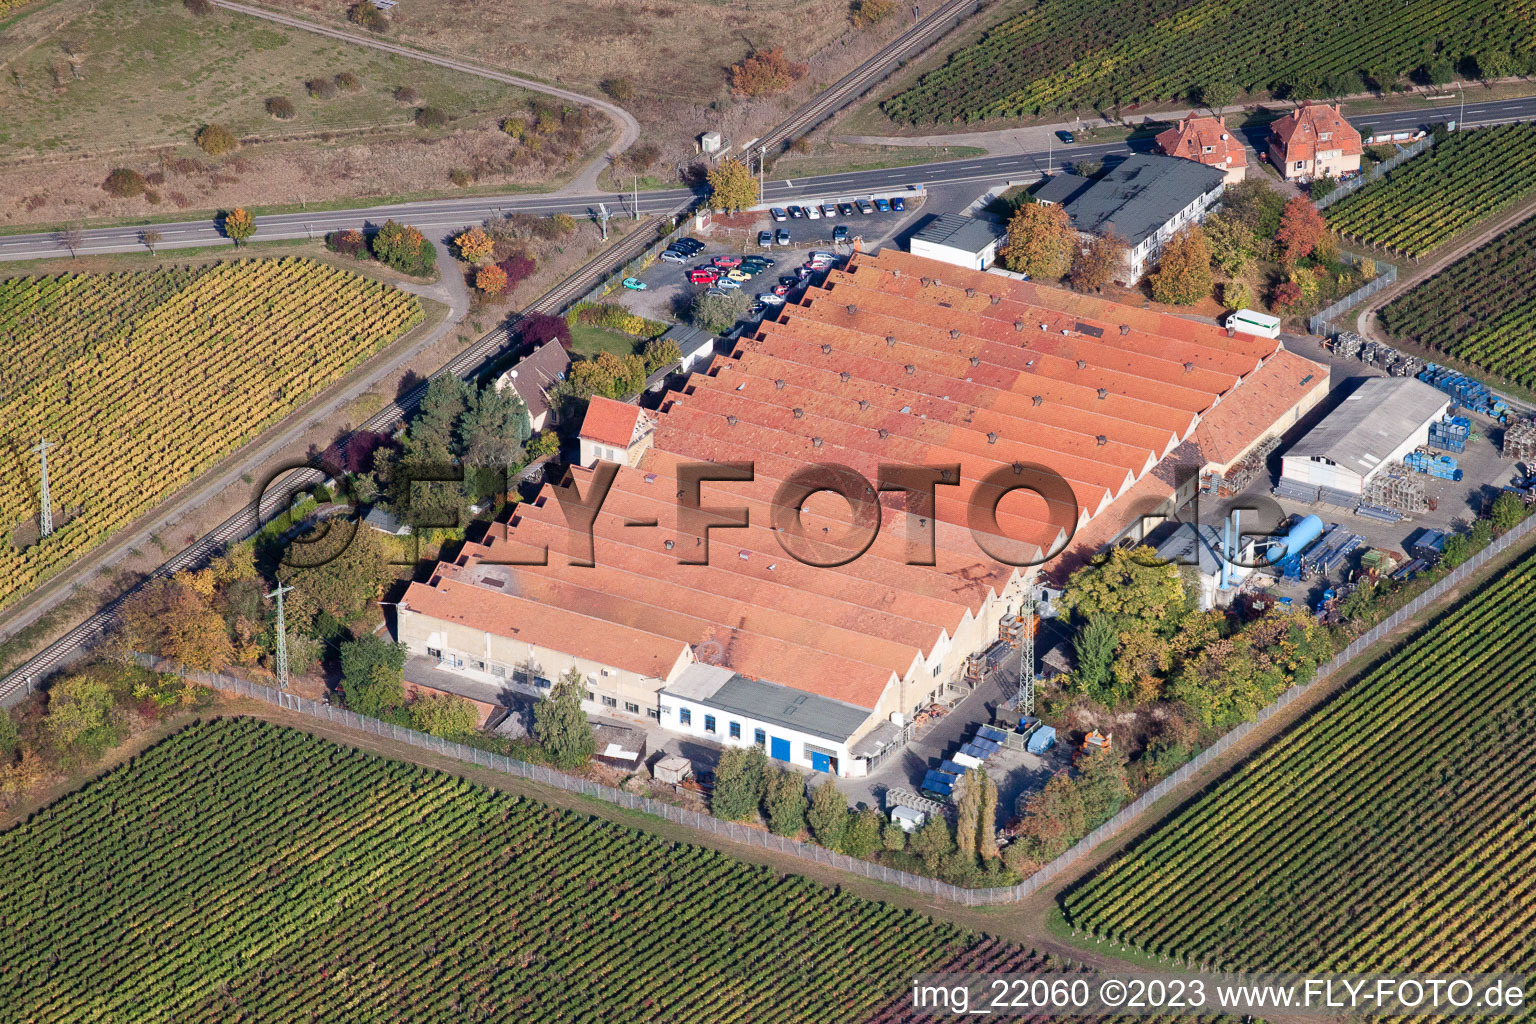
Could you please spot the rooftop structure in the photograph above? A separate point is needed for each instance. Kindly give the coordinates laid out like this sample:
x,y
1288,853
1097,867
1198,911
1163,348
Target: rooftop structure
x,y
1375,426
1206,140
964,241
534,376
1314,141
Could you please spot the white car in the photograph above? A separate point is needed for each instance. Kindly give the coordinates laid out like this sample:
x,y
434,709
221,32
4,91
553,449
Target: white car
x,y
828,210
673,256
813,212
821,254
770,299
726,282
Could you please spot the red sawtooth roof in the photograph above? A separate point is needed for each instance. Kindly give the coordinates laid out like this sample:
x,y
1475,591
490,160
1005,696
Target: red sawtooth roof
x,y
896,360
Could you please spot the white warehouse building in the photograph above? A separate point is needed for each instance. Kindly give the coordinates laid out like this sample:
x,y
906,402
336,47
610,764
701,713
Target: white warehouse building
x,y
1382,421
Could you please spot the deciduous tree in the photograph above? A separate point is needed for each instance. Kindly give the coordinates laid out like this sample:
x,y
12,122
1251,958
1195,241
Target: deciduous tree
x,y
1183,275
731,186
1232,245
1128,587
216,140
786,802
404,248
239,225
862,835
932,843
828,816
1041,241
372,679
765,72
741,779
1094,265
1301,228
561,725
491,280
79,712
475,246
444,714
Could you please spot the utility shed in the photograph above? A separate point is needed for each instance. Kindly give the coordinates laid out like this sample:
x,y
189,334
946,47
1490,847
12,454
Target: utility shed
x,y
1383,420
964,241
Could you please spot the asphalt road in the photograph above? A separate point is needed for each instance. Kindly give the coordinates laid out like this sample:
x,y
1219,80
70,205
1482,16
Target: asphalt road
x,y
433,214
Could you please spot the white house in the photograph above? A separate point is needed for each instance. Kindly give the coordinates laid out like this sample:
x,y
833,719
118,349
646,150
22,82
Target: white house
x,y
614,432
967,242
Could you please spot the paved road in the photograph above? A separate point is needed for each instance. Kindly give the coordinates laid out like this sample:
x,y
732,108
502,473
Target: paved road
x,y
448,213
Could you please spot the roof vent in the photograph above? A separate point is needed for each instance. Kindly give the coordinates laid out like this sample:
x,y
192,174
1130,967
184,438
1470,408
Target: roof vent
x,y
911,369
815,442
1103,393
1189,367
1018,325
669,545
826,350
991,437
944,475
799,412
844,376
779,384
1039,399
927,281
884,433
996,299
1125,328
1082,364
1101,440
1231,332
731,420
1018,468
975,360
970,293
890,339
1044,326
744,556
954,332
852,308
863,403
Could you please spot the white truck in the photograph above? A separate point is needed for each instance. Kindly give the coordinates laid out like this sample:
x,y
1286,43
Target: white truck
x,y
1249,322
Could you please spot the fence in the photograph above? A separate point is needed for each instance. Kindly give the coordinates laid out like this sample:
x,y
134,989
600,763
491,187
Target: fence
x,y
1404,154
1321,322
809,851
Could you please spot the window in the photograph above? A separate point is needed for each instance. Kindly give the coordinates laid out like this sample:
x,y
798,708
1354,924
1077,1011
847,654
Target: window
x,y
499,671
709,723
759,737
653,713
433,652
633,709
936,669
610,702
685,716
1326,136
735,730
478,666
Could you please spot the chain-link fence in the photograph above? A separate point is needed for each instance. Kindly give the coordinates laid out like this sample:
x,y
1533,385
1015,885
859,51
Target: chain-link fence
x,y
1322,322
758,837
1404,154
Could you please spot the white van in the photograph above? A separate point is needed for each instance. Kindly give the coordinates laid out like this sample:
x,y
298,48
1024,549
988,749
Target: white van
x,y
1249,322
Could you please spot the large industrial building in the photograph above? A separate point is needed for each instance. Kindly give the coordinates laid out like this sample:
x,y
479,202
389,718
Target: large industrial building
x,y
718,631
1381,421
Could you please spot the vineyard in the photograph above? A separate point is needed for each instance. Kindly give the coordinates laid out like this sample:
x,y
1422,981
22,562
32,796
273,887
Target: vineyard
x,y
1462,180
141,380
1070,55
1481,309
1391,830
243,871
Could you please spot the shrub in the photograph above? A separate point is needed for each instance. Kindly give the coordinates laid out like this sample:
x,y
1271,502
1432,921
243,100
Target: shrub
x,y
199,7
431,117
124,183
368,16
216,140
404,248
765,72
347,81
348,243
280,107
475,246
618,89
321,88
491,280
517,267
406,94
614,317
868,13
563,223
460,177
539,328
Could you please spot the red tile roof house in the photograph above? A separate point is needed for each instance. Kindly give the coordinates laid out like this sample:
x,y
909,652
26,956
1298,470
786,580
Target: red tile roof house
x,y
1206,140
717,632
614,432
1314,141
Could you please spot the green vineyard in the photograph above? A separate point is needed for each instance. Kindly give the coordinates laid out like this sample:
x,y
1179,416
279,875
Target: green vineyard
x,y
1470,176
1480,310
241,871
142,380
1062,56
1391,830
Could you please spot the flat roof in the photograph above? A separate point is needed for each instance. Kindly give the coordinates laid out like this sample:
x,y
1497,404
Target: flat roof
x,y
762,701
1375,419
969,234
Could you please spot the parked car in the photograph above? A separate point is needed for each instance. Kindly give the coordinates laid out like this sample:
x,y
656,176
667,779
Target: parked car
x,y
865,207
673,256
821,254
804,273
703,275
765,238
845,209
634,284
828,209
781,237
786,281
716,291
899,204
725,262
781,290
741,274
883,205
761,261
813,212
691,246
770,299
756,309
840,233
795,213
726,282
777,213
1065,136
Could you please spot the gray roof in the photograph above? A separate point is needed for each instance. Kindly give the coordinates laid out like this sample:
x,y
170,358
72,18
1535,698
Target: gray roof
x,y
1135,197
385,523
733,693
535,374
1193,544
1376,418
689,339
968,234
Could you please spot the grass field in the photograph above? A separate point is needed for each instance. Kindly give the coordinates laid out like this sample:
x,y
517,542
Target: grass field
x,y
1061,56
1388,831
243,871
1481,309
588,341
143,379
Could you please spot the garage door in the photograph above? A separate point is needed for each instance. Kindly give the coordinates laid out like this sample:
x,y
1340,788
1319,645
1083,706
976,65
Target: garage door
x,y
779,748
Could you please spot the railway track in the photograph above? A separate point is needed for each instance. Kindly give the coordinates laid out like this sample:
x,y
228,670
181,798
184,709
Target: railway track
x,y
276,496
859,81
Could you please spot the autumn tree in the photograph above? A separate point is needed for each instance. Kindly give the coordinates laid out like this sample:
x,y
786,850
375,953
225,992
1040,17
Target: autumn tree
x,y
765,72
1183,275
169,618
80,713
1236,295
239,225
1301,228
337,570
1127,586
491,280
149,238
731,186
124,182
1232,245
967,817
71,238
444,714
986,825
216,140
1095,264
404,248
538,329
1285,296
1041,241
365,14
475,246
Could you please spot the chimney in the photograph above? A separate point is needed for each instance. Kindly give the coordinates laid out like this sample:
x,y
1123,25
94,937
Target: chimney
x,y
1082,364
991,437
975,360
954,332
844,376
1125,329
778,385
1189,367
815,442
890,340
1101,440
863,403
852,308
1018,325
884,433
996,299
970,293
911,369
731,420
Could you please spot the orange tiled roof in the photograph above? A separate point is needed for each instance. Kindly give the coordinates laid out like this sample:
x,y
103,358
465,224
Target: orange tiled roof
x,y
1248,414
894,360
1205,140
1299,134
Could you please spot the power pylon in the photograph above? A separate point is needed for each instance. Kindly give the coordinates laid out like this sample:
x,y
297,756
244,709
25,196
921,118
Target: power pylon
x,y
1025,701
282,637
45,516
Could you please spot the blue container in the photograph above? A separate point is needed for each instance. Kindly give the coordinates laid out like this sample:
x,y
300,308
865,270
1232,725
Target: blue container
x,y
1296,541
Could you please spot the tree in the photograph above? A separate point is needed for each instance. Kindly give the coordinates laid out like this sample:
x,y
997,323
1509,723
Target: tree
x,y
79,713
216,140
660,352
364,13
786,803
828,816
869,13
967,817
1456,550
1041,241
280,107
1440,70
1236,295
443,714
404,248
492,429
10,736
1094,649
765,72
1219,92
537,329
432,117
1094,265
986,827
125,183
1232,245
861,836
71,238
1285,295
169,618
1103,787
372,674
517,267
561,725
1050,820
338,568
239,225
893,837
741,779
475,246
932,843
731,186
491,280
1506,513
1301,228
1127,586
1183,275
718,313
149,238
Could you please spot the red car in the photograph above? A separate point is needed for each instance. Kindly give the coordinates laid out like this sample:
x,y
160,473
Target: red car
x,y
703,275
727,262
781,289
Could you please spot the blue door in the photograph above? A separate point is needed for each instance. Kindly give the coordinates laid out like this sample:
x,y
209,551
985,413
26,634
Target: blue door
x,y
820,762
779,748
